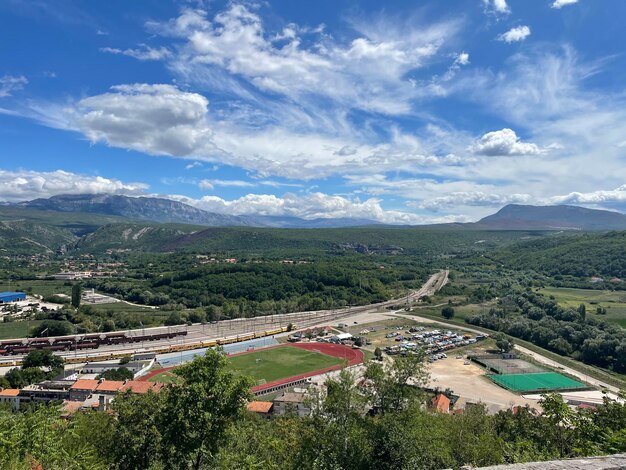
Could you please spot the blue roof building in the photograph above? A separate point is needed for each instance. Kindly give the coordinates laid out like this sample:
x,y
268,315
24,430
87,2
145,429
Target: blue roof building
x,y
11,297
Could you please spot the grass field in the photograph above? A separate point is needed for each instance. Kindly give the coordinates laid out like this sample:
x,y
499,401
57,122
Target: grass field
x,y
614,302
536,382
282,362
17,329
165,377
38,286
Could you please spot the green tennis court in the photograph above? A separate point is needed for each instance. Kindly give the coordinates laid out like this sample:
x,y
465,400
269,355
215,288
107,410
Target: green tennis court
x,y
536,382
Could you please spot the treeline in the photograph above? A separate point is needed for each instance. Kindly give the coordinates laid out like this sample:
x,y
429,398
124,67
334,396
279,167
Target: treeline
x,y
202,424
567,332
269,287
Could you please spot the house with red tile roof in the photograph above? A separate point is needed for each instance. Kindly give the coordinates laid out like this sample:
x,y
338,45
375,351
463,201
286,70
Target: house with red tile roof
x,y
135,386
440,403
109,387
11,396
82,389
262,408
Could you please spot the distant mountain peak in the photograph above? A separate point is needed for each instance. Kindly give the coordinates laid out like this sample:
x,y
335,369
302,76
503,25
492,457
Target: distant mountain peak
x,y
557,217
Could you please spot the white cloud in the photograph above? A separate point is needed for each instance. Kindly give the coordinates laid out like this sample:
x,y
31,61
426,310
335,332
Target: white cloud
x,y
367,72
496,6
516,34
617,195
210,184
561,3
193,165
470,198
143,53
23,185
462,58
504,142
156,119
308,206
164,120
10,83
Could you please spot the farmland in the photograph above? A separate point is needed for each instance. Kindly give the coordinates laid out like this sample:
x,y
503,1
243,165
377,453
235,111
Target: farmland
x,y
613,301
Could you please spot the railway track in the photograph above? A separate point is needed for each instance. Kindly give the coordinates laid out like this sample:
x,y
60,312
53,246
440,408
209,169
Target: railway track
x,y
89,347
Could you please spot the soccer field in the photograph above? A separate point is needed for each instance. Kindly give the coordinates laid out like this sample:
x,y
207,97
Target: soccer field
x,y
282,362
536,382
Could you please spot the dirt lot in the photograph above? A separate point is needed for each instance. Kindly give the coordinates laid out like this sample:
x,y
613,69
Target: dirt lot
x,y
470,383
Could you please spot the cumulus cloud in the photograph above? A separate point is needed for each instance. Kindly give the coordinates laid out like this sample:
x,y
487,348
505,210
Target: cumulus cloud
x,y
23,185
519,33
470,198
617,195
496,6
142,53
156,119
504,142
307,206
561,3
10,83
164,120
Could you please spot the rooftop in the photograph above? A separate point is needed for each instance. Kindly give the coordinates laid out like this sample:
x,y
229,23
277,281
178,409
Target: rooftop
x,y
109,386
9,392
260,406
136,386
84,384
441,403
291,397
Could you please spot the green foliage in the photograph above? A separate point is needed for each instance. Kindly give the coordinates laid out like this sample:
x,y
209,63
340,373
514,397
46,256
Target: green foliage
x,y
447,312
42,358
76,293
53,328
121,373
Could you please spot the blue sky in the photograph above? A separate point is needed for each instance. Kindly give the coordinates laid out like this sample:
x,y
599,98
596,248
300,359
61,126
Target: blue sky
x,y
403,112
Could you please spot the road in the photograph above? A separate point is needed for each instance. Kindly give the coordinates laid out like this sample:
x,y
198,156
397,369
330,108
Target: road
x,y
240,326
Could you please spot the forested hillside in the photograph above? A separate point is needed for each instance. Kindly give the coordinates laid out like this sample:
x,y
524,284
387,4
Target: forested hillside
x,y
577,255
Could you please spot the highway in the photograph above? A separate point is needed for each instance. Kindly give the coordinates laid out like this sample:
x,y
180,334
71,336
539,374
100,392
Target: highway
x,y
232,328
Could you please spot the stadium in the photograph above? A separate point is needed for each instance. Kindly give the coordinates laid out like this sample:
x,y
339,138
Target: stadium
x,y
279,367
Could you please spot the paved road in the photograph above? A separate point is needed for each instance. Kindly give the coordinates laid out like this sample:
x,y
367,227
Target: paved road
x,y
240,326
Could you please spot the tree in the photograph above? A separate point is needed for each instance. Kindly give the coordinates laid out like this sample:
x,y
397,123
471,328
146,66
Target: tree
x,y
174,319
197,415
582,311
394,387
53,328
447,312
76,293
503,343
121,373
378,354
42,358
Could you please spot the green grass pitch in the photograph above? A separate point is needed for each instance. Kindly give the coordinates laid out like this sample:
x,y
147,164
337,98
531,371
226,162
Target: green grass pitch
x,y
536,382
282,362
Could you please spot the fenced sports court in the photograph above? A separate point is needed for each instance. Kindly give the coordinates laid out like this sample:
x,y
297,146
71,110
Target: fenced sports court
x,y
518,375
536,382
506,365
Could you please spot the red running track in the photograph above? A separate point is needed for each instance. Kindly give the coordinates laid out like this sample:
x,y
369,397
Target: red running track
x,y
352,357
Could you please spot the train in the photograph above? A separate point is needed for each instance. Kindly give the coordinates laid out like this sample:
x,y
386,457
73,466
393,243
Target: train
x,y
75,343
91,343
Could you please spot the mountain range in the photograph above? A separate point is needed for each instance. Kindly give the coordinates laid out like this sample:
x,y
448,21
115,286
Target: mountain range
x,y
162,210
98,222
